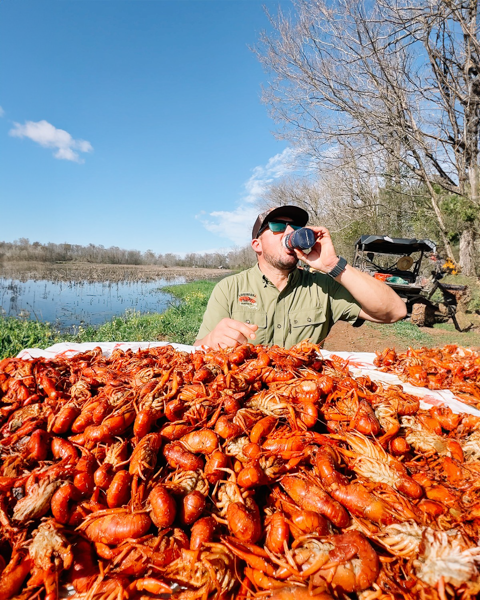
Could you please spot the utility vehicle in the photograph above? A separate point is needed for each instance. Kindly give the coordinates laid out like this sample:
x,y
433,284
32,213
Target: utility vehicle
x,y
398,262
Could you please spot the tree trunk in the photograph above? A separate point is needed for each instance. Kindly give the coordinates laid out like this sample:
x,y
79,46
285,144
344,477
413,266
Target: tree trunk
x,y
467,252
441,225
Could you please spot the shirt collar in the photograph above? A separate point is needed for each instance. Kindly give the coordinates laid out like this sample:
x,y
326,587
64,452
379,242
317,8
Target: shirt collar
x,y
266,282
292,278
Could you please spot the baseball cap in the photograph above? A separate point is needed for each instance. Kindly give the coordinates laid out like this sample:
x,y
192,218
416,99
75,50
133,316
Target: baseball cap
x,y
297,214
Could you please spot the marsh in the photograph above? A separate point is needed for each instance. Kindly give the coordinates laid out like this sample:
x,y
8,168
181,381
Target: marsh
x,y
76,294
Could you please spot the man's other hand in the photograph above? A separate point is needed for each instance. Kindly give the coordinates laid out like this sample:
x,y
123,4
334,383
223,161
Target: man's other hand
x,y
228,333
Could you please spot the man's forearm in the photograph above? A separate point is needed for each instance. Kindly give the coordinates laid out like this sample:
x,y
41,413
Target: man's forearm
x,y
378,301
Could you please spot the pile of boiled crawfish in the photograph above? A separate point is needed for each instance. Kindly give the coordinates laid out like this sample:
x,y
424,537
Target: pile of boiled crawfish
x,y
239,473
453,368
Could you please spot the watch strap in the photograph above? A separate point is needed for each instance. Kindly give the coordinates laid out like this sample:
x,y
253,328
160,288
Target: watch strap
x,y
338,268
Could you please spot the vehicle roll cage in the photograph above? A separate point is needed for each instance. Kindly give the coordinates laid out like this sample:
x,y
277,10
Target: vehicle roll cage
x,y
368,246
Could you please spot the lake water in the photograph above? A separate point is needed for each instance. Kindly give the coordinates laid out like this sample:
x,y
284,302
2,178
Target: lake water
x,y
73,303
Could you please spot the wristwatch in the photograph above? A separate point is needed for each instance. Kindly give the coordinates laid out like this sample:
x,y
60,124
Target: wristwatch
x,y
338,268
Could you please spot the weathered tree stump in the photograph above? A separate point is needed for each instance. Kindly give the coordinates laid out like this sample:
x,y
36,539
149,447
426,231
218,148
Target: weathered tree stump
x,y
423,315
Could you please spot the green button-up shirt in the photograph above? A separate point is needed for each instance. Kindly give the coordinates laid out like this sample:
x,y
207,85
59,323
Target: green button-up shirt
x,y
306,308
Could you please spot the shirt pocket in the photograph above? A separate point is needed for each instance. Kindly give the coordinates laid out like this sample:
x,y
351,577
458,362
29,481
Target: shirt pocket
x,y
254,317
306,318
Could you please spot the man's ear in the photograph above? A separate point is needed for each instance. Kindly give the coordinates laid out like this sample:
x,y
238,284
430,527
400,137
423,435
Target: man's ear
x,y
257,246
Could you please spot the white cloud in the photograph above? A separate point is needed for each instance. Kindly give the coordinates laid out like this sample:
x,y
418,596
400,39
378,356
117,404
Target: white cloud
x,y
236,225
48,136
2,112
277,166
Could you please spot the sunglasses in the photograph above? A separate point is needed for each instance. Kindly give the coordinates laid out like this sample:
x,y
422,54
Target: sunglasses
x,y
278,226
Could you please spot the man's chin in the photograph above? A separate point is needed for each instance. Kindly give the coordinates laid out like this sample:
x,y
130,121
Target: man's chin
x,y
283,264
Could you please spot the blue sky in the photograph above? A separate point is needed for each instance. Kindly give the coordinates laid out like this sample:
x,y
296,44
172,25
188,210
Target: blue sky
x,y
134,123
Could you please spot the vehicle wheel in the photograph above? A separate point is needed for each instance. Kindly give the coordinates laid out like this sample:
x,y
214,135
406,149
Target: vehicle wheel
x,y
422,315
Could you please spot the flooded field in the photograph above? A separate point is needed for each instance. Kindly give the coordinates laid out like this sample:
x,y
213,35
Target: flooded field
x,y
74,295
25,271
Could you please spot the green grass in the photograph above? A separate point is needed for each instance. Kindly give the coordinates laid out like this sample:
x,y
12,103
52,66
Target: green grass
x,y
179,323
132,326
17,334
404,332
408,333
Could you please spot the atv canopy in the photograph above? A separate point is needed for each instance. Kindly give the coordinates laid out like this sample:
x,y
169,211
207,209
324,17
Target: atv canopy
x,y
387,245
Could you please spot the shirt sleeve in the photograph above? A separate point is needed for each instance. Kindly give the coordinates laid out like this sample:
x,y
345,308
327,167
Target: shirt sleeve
x,y
218,308
343,305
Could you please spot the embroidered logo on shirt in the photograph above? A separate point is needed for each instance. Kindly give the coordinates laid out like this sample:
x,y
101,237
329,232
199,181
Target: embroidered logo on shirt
x,y
246,299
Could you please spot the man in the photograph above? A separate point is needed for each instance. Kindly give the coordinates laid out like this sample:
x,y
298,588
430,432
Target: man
x,y
275,302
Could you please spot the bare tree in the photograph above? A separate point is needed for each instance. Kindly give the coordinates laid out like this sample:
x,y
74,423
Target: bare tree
x,y
307,193
241,258
354,193
398,77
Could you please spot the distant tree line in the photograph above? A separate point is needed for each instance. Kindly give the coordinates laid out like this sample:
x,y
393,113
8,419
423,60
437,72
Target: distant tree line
x,y
24,250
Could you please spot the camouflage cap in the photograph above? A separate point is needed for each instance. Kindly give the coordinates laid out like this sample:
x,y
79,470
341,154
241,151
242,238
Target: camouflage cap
x,y
297,214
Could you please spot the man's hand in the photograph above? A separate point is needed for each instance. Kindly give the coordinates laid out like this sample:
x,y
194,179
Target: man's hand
x,y
228,333
322,256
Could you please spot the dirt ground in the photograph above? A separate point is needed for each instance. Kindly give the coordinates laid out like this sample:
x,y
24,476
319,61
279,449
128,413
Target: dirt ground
x,y
375,338
359,339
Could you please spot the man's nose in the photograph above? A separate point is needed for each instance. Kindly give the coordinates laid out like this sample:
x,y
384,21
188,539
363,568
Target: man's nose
x,y
289,228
